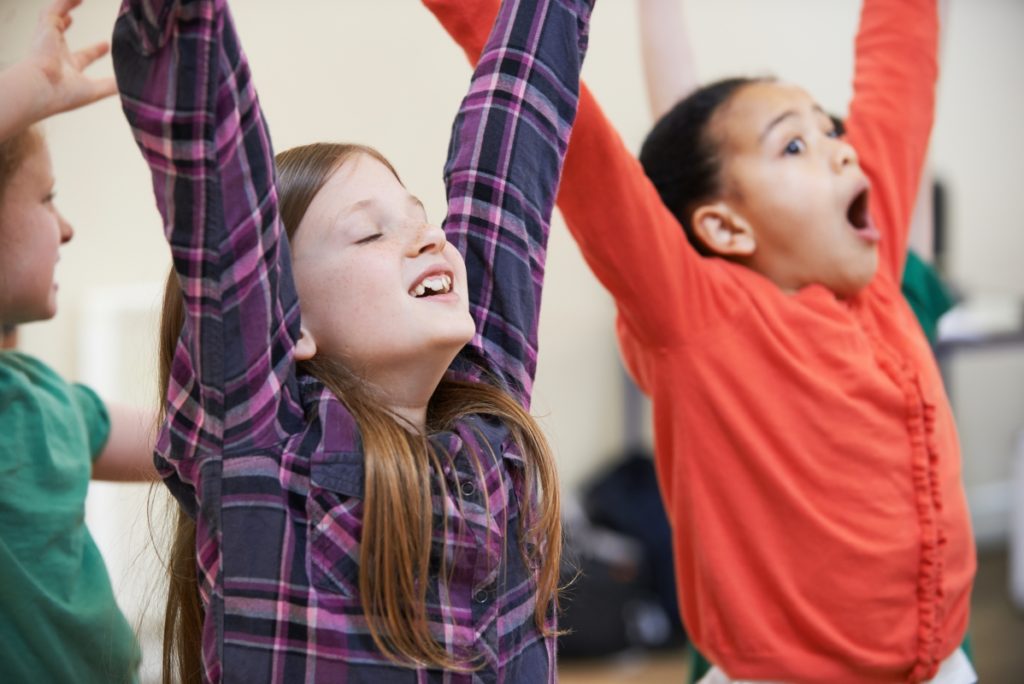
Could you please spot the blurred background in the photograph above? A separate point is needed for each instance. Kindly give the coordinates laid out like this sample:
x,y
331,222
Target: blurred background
x,y
383,72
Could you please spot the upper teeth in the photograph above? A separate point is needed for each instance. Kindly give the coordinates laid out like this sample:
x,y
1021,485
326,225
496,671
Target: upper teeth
x,y
438,283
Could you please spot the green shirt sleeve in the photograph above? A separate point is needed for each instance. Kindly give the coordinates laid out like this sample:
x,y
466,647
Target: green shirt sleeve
x,y
927,295
94,416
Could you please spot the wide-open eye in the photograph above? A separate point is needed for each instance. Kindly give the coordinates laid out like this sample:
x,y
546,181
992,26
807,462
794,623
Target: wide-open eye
x,y
795,146
838,128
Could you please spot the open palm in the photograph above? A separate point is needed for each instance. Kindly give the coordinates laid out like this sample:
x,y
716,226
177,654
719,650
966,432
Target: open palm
x,y
63,69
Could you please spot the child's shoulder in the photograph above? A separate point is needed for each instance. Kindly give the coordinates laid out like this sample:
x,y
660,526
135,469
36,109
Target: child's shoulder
x,y
17,368
30,383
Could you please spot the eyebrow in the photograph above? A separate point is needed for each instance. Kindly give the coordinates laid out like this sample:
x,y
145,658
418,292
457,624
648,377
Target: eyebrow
x,y
785,115
369,203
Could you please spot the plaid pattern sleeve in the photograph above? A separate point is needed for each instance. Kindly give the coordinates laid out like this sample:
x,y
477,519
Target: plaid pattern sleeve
x,y
189,98
508,144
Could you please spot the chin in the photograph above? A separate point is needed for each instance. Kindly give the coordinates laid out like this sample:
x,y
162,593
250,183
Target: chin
x,y
461,340
852,275
43,313
466,331
454,338
852,285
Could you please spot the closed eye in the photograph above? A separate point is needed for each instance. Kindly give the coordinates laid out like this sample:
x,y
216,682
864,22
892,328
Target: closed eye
x,y
369,238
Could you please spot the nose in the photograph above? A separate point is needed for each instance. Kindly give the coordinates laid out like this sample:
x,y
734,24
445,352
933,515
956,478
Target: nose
x,y
66,231
844,155
429,239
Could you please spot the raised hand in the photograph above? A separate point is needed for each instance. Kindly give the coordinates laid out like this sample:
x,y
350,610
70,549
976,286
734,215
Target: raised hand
x,y
51,78
65,70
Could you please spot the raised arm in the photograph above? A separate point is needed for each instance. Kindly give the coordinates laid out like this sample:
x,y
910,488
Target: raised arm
x,y
189,98
892,111
508,143
632,243
50,78
670,71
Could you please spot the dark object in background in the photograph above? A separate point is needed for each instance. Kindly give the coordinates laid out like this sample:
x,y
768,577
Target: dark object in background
x,y
626,499
620,593
940,229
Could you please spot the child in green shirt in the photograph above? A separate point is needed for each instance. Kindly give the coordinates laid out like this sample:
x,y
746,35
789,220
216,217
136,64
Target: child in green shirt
x,y
59,621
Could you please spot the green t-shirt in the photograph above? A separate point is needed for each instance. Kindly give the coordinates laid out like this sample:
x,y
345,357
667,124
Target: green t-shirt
x,y
58,618
926,294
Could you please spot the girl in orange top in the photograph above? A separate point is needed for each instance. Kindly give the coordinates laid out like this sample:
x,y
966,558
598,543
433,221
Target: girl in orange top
x,y
805,446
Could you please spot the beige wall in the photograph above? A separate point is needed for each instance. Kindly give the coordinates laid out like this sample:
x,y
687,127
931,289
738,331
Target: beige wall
x,y
382,71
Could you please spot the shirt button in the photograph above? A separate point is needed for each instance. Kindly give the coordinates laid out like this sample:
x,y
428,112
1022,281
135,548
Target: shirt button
x,y
467,487
481,597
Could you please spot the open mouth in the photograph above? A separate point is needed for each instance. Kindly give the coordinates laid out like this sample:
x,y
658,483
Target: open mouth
x,y
857,214
432,285
859,218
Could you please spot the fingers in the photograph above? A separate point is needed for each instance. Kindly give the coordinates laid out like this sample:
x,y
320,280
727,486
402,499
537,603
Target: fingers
x,y
88,55
58,14
103,87
91,91
50,19
61,8
98,88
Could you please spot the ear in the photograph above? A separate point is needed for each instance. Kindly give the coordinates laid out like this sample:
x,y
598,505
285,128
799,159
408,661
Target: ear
x,y
305,347
723,231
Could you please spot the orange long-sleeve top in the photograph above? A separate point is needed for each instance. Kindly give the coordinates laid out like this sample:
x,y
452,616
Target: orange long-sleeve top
x,y
806,451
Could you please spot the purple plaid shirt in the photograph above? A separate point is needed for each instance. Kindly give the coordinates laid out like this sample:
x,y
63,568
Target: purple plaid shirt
x,y
266,459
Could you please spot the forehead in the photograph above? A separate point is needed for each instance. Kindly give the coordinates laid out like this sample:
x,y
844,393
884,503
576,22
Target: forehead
x,y
35,163
360,184
361,190
742,120
361,177
32,176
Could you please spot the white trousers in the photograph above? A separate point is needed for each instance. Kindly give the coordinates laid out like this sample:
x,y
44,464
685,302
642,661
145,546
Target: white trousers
x,y
956,669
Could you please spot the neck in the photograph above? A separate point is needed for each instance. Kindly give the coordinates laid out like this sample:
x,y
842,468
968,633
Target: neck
x,y
406,390
772,271
414,417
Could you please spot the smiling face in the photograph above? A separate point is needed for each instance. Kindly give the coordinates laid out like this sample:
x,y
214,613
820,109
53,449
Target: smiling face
x,y
797,188
380,288
31,233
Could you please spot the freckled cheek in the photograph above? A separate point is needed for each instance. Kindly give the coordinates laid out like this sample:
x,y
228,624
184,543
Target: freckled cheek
x,y
368,297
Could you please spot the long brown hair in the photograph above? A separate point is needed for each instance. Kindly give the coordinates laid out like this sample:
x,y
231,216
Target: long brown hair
x,y
395,546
